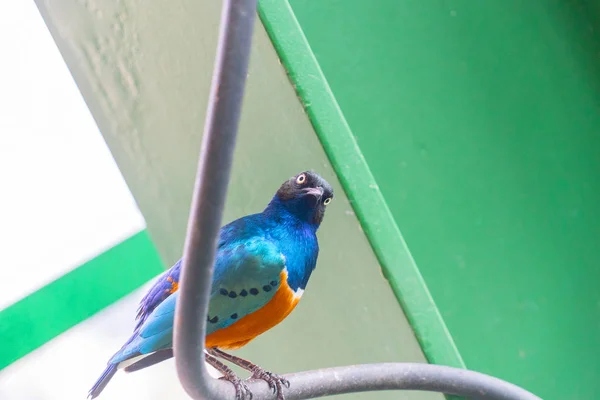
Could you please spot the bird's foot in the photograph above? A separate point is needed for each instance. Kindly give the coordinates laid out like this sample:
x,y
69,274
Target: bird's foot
x,y
242,392
275,382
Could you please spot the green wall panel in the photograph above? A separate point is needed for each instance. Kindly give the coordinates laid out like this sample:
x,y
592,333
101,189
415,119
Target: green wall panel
x,y
77,295
480,122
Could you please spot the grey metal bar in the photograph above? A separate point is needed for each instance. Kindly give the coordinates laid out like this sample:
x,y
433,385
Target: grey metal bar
x,y
392,376
204,222
212,179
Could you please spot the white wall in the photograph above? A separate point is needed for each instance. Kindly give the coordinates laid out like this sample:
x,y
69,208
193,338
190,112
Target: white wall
x,y
62,197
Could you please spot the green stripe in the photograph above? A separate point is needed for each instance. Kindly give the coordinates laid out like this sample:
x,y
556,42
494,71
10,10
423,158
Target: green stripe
x,y
358,182
77,295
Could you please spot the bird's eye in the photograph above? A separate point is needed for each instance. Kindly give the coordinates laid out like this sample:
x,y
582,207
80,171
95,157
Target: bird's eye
x,y
301,179
327,201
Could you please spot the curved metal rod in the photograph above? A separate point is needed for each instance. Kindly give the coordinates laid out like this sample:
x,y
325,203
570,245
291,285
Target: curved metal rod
x,y
212,180
389,376
214,166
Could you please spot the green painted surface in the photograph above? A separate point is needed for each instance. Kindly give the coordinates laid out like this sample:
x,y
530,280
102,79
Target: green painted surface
x,y
77,295
148,89
480,121
358,181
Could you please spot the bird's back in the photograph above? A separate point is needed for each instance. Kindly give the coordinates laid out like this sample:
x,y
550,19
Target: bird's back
x,y
261,269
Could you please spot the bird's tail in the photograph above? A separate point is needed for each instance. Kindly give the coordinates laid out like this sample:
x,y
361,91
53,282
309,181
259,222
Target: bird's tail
x,y
101,383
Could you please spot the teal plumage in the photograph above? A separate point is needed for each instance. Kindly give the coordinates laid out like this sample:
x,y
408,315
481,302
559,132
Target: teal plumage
x,y
262,266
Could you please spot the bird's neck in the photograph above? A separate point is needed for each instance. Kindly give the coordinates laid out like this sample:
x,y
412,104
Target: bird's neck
x,y
297,240
295,216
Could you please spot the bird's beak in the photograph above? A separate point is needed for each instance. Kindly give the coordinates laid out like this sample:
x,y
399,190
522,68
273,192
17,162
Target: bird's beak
x,y
317,192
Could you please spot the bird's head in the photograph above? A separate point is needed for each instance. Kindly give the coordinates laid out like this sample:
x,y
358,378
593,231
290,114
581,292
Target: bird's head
x,y
305,196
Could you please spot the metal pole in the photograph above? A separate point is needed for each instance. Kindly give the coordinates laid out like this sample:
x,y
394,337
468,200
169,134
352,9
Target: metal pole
x,y
214,166
212,179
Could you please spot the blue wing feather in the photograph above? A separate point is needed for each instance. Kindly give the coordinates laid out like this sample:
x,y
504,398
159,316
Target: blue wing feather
x,y
162,288
242,270
250,261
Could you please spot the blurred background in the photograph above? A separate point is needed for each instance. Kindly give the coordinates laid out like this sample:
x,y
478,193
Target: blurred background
x,y
64,202
461,139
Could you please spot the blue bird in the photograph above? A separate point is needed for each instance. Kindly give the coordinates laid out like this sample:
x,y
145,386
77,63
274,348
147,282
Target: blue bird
x,y
262,266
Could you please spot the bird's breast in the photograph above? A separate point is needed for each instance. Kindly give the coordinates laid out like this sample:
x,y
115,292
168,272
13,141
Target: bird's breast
x,y
260,321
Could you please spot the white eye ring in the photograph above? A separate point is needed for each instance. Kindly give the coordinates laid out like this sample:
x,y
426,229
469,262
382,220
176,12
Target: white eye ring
x,y
301,179
327,201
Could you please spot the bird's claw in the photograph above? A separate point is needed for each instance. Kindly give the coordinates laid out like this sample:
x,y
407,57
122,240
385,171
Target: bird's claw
x,y
274,381
242,392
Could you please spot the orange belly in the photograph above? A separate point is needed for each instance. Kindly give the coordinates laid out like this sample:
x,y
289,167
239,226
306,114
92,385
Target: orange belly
x,y
260,321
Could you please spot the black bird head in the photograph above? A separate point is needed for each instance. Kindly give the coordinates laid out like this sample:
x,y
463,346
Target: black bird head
x,y
305,196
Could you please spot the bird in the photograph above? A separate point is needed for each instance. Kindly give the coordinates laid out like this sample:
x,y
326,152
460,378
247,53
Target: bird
x,y
262,266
